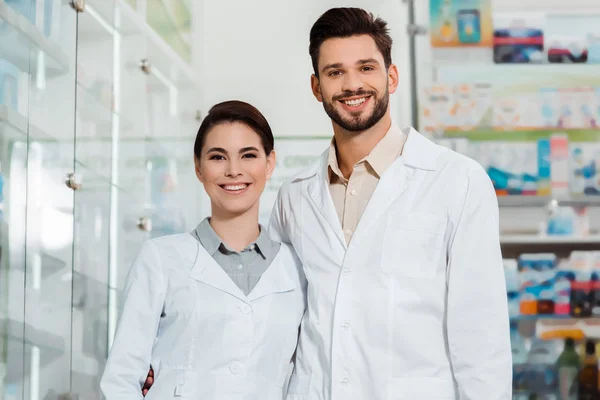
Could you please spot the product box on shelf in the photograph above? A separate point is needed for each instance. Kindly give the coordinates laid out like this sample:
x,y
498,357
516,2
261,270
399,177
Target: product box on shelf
x,y
536,283
584,163
512,166
559,165
438,108
511,275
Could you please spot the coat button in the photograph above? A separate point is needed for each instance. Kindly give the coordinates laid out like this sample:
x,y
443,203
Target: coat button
x,y
236,368
345,381
346,325
246,309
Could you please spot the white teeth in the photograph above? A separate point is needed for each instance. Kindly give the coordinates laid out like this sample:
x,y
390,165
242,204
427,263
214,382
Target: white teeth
x,y
234,188
356,102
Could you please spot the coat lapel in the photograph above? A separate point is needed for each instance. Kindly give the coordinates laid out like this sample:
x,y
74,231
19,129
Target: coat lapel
x,y
418,153
318,191
275,279
209,272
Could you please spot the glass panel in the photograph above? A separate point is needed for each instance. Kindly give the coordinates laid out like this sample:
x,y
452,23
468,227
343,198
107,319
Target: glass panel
x,y
49,266
41,44
175,188
90,282
15,20
95,97
14,84
97,127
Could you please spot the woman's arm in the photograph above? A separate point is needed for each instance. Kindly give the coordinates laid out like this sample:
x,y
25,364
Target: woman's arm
x,y
130,355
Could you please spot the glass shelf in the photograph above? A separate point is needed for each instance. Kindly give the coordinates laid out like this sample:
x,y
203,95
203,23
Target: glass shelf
x,y
18,30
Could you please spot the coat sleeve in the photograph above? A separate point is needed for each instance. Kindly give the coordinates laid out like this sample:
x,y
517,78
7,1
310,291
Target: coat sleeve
x,y
278,227
143,298
477,318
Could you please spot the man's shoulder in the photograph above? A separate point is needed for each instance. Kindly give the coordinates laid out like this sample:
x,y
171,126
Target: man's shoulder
x,y
296,182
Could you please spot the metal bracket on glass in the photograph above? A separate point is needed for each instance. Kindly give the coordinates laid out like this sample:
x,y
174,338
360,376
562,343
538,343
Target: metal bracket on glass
x,y
146,66
145,224
73,181
414,30
78,5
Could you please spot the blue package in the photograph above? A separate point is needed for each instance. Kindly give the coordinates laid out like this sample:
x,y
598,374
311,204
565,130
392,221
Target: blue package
x,y
469,26
543,162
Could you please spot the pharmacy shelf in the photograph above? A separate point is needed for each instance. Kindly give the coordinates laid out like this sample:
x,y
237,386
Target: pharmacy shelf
x,y
162,57
543,201
22,43
549,240
31,335
563,319
15,126
509,74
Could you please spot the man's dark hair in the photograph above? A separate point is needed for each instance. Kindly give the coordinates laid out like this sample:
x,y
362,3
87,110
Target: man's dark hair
x,y
345,22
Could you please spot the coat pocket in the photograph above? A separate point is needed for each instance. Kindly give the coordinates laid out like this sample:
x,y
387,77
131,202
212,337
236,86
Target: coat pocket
x,y
421,389
172,383
413,245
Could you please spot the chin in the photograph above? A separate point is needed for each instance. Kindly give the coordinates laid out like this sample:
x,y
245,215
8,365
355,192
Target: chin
x,y
235,210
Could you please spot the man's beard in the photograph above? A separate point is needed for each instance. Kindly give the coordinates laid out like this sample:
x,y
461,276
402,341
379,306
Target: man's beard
x,y
358,123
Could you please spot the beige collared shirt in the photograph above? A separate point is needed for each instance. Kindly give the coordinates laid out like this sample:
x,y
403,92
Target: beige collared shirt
x,y
350,196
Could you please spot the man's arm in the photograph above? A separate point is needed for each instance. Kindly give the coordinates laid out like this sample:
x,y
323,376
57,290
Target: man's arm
x,y
277,224
478,323
129,359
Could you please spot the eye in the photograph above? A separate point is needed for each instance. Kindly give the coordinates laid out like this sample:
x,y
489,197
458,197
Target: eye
x,y
216,157
334,73
367,68
249,155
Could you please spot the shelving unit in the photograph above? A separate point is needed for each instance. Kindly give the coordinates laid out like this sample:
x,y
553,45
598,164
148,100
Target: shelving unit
x,y
91,111
549,240
15,126
543,201
22,43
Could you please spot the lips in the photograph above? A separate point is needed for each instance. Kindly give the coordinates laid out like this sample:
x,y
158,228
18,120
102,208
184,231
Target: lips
x,y
235,187
355,102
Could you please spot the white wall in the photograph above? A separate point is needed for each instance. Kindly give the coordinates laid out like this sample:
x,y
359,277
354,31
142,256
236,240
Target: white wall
x,y
258,52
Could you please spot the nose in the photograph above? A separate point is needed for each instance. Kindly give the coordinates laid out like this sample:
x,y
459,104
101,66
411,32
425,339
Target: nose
x,y
233,169
352,82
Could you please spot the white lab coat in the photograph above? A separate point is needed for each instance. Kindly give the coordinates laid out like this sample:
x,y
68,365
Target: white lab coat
x,y
205,339
415,306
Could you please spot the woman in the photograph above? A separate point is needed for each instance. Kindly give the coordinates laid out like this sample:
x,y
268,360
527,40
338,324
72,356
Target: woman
x,y
215,312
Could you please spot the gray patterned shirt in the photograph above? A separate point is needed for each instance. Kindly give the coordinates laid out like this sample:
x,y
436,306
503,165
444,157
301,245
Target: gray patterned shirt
x,y
245,268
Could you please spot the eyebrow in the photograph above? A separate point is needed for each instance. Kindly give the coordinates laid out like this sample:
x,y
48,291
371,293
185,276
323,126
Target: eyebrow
x,y
222,150
331,66
359,62
367,61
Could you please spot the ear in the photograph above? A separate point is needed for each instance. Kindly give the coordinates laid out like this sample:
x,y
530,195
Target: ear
x,y
392,78
316,88
271,161
197,168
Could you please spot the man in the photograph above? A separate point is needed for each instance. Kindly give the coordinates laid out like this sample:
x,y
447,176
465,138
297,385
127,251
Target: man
x,y
399,240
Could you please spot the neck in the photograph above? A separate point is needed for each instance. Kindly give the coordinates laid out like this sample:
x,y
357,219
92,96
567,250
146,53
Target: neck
x,y
238,231
354,146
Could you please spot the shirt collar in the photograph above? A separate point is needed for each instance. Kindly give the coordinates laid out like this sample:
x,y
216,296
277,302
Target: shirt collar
x,y
212,242
380,158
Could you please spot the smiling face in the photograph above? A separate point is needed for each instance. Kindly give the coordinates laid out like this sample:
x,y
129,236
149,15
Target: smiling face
x,y
234,168
353,83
